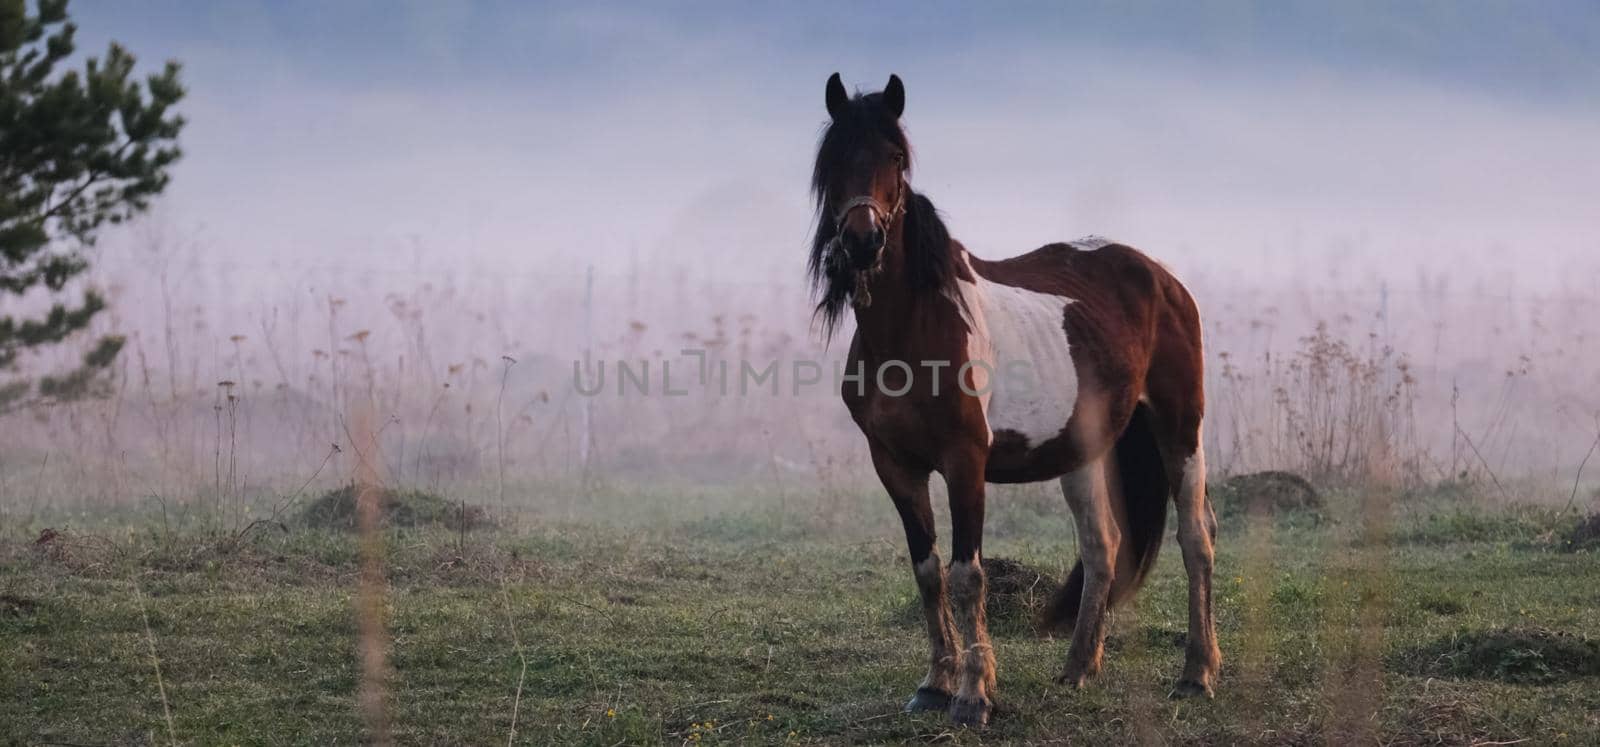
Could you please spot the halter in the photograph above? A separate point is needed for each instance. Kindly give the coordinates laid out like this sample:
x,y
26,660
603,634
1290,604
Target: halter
x,y
868,202
860,298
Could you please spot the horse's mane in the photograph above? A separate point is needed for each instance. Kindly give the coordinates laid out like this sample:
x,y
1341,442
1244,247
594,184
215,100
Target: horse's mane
x,y
930,264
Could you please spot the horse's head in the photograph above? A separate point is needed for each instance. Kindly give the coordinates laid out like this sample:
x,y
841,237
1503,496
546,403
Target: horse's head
x,y
859,180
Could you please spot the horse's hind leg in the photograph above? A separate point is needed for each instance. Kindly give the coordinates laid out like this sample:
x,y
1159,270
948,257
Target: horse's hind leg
x,y
908,487
1089,497
1185,459
1175,390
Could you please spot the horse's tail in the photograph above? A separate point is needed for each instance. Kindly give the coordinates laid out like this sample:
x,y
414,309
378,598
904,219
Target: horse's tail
x,y
1142,520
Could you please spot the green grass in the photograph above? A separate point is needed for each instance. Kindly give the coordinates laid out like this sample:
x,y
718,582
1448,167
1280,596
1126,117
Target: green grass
x,y
730,626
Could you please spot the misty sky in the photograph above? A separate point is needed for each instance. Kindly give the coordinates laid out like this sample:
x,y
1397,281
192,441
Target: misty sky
x,y
1220,136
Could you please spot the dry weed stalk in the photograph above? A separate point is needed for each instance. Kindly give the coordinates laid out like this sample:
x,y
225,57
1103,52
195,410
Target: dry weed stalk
x,y
155,662
371,632
516,642
1354,682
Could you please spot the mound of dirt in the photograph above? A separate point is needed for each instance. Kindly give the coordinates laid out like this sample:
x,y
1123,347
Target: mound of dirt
x,y
1272,492
336,509
1016,594
1585,535
1014,588
1518,655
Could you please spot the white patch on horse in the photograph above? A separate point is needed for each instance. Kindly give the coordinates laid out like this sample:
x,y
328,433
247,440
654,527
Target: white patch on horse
x,y
1090,243
1019,335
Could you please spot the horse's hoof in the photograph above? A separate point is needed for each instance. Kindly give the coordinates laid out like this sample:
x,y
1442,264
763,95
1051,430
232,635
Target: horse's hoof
x,y
928,699
1077,675
1076,681
1187,688
965,712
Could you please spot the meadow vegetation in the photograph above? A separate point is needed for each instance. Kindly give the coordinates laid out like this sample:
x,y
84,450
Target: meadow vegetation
x,y
601,622
384,514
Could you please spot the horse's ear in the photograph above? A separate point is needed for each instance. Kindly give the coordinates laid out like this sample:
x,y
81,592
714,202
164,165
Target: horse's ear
x,y
894,96
838,100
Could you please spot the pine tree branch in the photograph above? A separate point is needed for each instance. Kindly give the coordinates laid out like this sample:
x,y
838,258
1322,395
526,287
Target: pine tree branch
x,y
94,178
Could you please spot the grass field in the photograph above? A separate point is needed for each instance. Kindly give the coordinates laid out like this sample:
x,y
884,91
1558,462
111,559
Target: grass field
x,y
1424,623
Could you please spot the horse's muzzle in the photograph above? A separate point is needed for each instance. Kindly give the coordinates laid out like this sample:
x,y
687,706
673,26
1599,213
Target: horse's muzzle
x,y
864,250
850,265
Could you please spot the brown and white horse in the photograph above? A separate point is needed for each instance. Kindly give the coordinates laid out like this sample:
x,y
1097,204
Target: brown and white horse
x,y
1079,362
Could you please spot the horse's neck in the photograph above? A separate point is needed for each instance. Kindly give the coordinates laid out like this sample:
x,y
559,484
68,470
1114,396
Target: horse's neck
x,y
903,323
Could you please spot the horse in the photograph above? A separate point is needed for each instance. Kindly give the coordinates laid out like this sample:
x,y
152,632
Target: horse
x,y
1079,362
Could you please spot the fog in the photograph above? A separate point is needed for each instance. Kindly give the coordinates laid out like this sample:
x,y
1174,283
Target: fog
x,y
453,174
539,135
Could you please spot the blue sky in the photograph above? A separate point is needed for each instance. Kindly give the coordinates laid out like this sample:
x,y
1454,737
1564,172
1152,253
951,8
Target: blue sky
x,y
588,132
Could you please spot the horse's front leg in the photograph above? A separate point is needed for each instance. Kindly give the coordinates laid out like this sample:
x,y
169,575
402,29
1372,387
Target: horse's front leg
x,y
908,487
975,691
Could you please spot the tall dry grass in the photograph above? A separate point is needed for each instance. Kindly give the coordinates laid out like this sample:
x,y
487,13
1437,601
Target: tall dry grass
x,y
239,389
